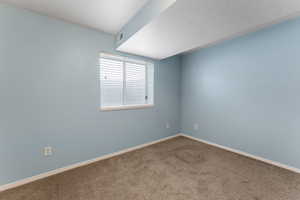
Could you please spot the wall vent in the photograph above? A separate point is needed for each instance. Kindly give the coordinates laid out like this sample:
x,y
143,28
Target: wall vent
x,y
121,36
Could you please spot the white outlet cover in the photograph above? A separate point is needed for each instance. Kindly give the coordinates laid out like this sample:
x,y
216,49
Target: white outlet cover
x,y
167,125
196,127
48,151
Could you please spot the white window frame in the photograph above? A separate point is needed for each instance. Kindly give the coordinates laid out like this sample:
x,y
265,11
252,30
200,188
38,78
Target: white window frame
x,y
125,60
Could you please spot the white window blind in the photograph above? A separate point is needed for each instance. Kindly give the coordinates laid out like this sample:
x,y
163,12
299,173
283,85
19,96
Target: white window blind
x,y
125,83
111,79
135,84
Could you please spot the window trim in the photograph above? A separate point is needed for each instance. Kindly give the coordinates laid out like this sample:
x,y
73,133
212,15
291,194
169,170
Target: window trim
x,y
124,60
126,107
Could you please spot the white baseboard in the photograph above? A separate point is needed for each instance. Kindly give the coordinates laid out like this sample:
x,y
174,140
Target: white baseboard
x,y
80,164
293,169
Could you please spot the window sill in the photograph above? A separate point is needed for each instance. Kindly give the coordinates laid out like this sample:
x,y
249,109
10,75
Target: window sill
x,y
129,107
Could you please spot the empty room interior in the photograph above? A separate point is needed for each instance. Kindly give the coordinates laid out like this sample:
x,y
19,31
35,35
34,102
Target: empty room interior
x,y
150,100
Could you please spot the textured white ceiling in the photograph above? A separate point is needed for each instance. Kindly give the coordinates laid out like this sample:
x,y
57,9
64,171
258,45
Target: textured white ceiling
x,y
105,15
190,24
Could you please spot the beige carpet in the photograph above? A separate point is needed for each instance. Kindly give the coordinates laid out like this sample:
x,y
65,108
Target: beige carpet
x,y
178,169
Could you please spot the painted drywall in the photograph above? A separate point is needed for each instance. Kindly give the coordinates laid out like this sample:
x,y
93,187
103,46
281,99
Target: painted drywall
x,y
49,95
244,93
151,10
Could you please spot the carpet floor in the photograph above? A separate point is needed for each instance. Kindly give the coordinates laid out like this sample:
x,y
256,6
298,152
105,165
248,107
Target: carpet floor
x,y
177,169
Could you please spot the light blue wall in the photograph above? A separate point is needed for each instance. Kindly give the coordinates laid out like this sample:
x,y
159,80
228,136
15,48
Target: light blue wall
x,y
245,93
49,96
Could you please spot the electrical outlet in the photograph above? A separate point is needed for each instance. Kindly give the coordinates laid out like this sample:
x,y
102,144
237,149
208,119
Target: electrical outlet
x,y
196,127
168,125
48,151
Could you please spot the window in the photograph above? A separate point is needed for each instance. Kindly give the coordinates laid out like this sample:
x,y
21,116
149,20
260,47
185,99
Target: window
x,y
125,83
